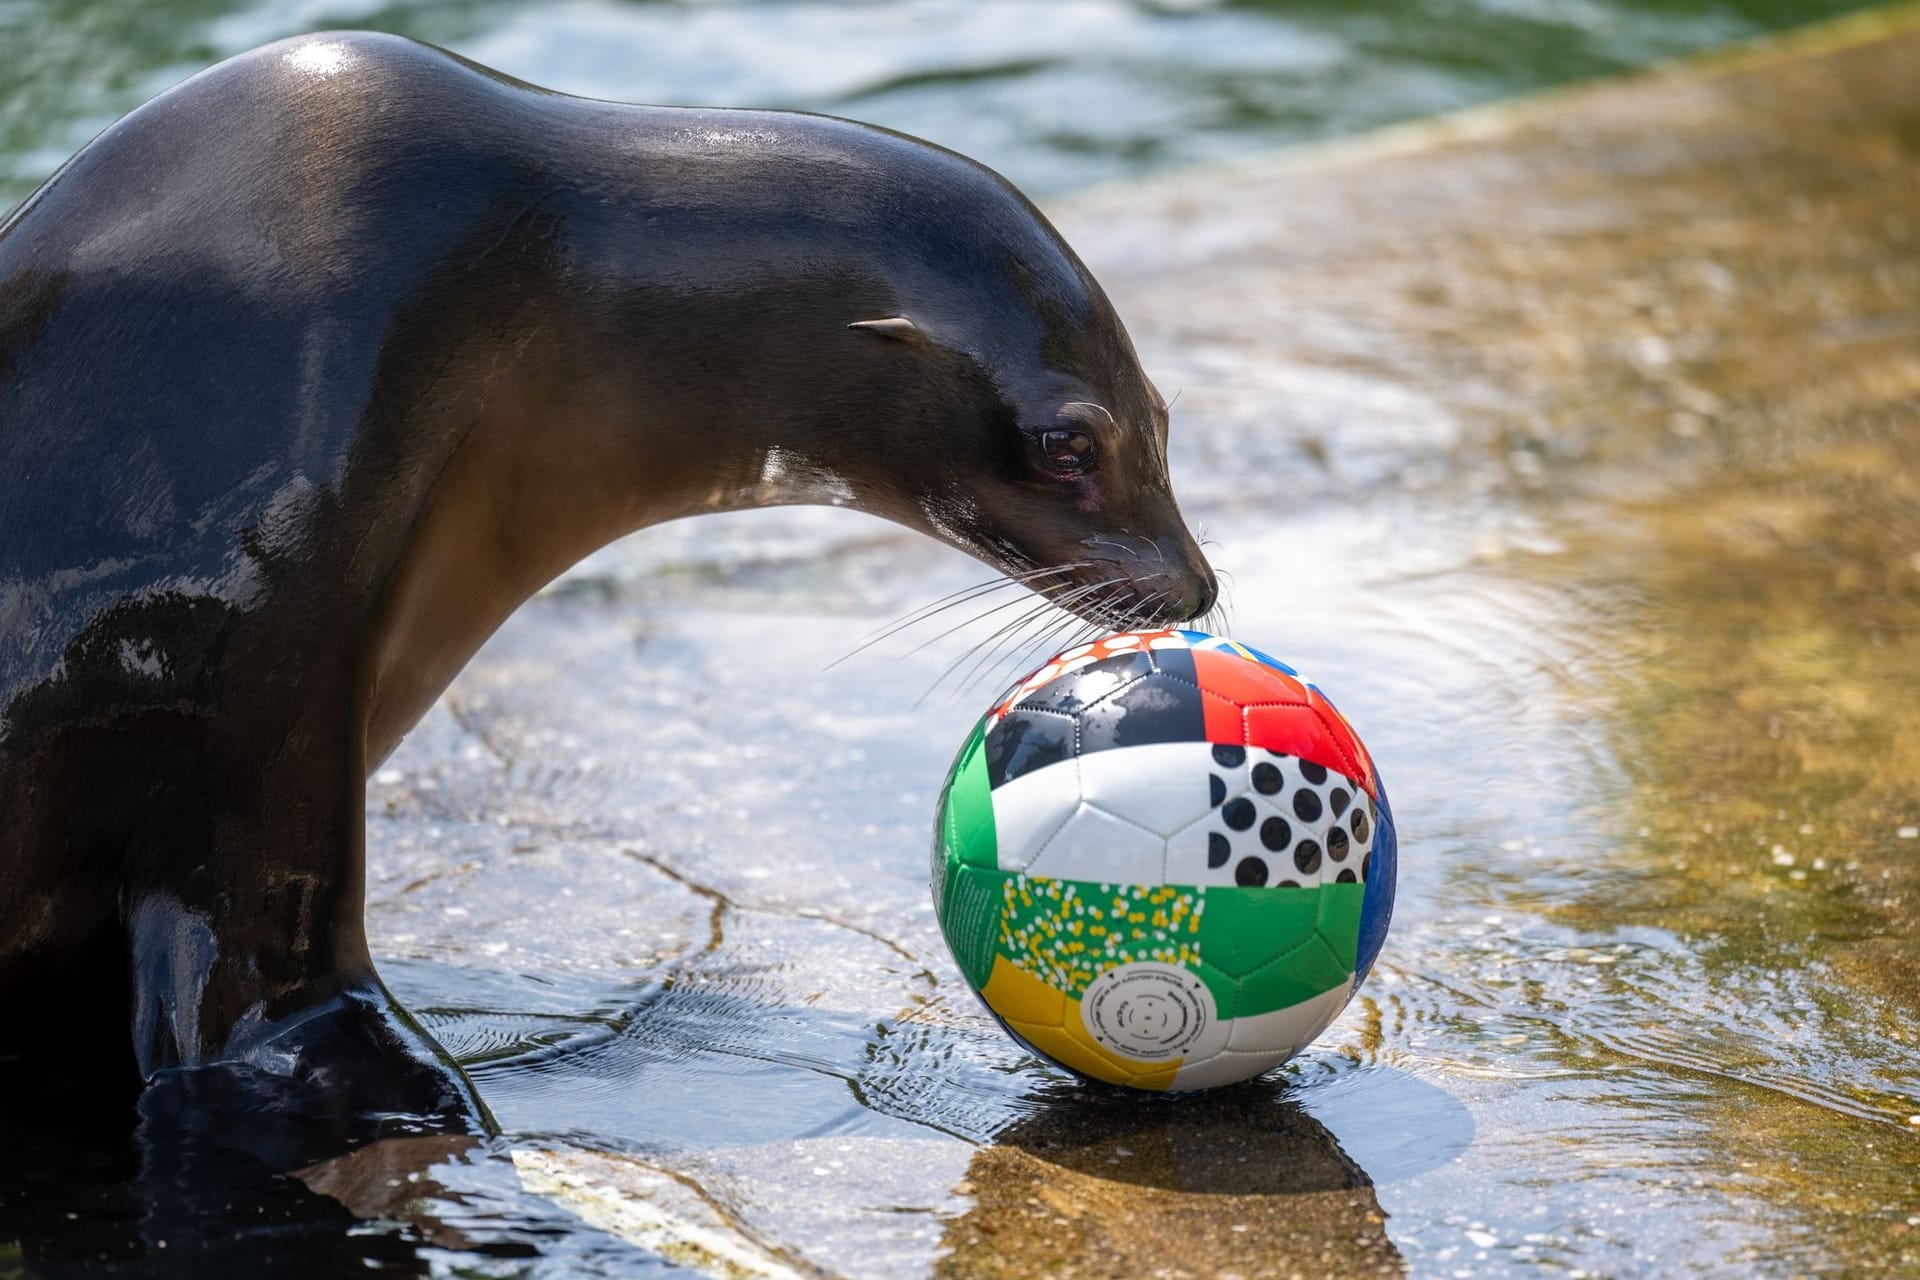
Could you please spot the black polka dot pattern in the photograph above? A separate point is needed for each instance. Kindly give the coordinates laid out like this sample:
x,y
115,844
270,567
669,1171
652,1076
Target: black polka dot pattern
x,y
1275,821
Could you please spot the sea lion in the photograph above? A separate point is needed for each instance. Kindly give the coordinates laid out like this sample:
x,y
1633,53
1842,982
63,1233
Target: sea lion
x,y
317,365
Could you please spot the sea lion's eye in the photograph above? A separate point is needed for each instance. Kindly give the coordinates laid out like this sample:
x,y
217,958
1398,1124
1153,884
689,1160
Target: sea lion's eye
x,y
1066,451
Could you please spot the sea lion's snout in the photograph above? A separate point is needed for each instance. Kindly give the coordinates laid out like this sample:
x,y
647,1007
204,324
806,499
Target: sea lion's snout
x,y
1149,581
1181,587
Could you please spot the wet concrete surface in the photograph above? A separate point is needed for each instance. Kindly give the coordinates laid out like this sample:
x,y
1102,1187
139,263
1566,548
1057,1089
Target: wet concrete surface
x,y
1571,446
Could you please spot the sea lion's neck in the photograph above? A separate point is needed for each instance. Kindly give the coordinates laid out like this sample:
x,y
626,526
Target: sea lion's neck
x,y
632,393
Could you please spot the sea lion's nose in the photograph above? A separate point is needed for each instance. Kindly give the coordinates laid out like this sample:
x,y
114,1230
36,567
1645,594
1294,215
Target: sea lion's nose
x,y
1192,587
1206,592
1198,597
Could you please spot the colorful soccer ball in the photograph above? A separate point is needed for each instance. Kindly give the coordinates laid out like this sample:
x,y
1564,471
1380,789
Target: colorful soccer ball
x,y
1164,860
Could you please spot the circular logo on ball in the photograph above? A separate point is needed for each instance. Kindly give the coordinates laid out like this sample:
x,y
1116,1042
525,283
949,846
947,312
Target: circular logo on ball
x,y
1147,1010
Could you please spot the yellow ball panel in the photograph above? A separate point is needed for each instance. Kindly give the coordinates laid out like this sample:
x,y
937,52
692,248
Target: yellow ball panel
x,y
1018,996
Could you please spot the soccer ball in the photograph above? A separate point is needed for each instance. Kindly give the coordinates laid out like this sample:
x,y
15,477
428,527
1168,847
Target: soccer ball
x,y
1164,860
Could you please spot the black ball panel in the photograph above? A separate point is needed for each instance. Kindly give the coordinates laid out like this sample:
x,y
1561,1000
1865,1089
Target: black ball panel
x,y
1154,708
1026,740
1079,689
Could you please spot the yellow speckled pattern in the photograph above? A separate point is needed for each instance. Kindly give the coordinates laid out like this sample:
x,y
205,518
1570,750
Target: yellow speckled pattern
x,y
1067,933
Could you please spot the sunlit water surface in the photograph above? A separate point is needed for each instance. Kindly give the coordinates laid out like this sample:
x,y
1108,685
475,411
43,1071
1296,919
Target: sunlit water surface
x,y
1057,94
1599,517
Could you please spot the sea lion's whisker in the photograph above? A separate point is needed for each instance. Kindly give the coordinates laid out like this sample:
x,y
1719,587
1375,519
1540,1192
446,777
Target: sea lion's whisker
x,y
992,644
953,600
995,583
895,627
1014,644
1021,658
1227,601
1088,404
976,647
1038,610
1066,633
964,623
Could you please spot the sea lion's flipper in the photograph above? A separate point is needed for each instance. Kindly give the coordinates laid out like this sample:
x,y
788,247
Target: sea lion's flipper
x,y
251,988
333,1079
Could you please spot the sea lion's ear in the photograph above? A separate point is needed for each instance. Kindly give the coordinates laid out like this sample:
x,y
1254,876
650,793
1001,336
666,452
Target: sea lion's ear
x,y
899,328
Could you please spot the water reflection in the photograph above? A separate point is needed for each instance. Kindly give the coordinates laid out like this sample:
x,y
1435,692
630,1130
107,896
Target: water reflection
x,y
160,1200
1240,1180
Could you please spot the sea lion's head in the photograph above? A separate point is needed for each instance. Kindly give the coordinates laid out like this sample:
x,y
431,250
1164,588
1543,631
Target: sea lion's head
x,y
834,312
1022,426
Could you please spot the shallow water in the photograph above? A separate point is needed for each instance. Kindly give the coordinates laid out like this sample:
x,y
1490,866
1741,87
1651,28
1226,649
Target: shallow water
x,y
1584,448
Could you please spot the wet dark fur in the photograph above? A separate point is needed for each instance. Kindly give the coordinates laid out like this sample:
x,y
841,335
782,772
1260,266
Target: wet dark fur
x,y
317,365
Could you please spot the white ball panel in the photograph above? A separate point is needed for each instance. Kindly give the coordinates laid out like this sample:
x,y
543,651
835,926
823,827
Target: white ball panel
x,y
1093,845
1225,1067
1162,786
1286,1031
1029,809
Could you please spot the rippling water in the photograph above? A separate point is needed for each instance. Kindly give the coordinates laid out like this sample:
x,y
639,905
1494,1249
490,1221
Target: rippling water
x,y
1582,472
1058,94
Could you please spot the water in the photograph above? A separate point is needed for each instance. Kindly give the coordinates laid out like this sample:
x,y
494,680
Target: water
x,y
1057,94
1573,452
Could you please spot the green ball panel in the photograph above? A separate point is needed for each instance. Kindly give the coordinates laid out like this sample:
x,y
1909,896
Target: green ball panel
x,y
1225,990
1300,974
1340,920
970,917
966,806
1244,929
